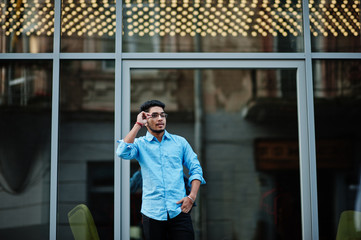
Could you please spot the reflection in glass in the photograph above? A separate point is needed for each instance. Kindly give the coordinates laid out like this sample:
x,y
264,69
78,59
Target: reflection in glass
x,y
249,148
86,146
88,26
337,89
335,26
25,128
212,26
26,26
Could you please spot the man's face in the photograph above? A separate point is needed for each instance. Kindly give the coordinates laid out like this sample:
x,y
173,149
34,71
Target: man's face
x,y
156,124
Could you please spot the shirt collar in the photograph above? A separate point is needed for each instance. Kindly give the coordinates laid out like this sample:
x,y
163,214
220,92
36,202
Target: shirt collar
x,y
150,137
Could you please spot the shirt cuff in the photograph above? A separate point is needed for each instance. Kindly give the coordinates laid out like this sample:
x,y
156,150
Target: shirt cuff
x,y
124,149
196,177
121,142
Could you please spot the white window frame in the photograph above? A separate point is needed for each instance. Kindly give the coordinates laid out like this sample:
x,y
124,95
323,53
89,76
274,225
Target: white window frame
x,y
305,130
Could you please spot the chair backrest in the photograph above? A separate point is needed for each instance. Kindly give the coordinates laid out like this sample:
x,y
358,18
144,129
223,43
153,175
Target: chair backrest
x,y
82,224
349,226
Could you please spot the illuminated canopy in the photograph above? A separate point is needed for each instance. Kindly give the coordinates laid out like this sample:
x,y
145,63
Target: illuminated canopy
x,y
188,17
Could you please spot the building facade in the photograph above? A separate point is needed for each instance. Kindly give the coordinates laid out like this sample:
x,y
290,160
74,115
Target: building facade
x,y
267,92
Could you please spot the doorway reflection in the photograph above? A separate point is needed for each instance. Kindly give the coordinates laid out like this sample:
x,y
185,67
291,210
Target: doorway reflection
x,y
247,144
86,166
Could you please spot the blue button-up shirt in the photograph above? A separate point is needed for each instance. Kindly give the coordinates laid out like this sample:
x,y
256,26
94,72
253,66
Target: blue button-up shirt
x,y
162,170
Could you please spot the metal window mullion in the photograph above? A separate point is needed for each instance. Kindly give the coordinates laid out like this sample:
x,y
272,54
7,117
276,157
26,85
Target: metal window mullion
x,y
312,148
55,122
310,130
25,56
304,149
125,173
87,56
211,64
214,56
336,56
117,162
118,118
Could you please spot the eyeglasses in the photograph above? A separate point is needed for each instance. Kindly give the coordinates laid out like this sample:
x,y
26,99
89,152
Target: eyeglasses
x,y
162,115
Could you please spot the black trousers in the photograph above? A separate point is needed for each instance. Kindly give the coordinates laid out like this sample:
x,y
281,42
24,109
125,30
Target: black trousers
x,y
178,228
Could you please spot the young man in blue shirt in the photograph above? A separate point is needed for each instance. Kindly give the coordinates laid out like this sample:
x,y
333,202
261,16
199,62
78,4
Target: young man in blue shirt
x,y
161,155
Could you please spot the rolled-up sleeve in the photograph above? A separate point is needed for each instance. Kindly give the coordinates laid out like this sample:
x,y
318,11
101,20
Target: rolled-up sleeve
x,y
193,165
127,150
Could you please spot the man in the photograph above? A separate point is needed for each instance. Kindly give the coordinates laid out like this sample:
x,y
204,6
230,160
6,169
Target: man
x,y
161,155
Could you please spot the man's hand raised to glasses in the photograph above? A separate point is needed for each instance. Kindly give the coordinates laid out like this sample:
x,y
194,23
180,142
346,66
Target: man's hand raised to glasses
x,y
143,117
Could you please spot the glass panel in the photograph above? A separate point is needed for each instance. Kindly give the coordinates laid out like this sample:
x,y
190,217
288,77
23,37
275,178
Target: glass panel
x,y
335,25
26,26
337,90
86,147
25,129
249,148
212,26
88,26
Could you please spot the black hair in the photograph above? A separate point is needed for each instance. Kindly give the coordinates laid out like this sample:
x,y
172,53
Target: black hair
x,y
151,103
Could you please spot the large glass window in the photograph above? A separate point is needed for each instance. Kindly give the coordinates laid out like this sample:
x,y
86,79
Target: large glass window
x,y
212,26
247,143
337,89
335,25
88,26
86,148
25,129
26,26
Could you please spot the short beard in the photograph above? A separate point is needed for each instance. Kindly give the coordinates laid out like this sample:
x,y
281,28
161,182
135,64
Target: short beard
x,y
156,131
